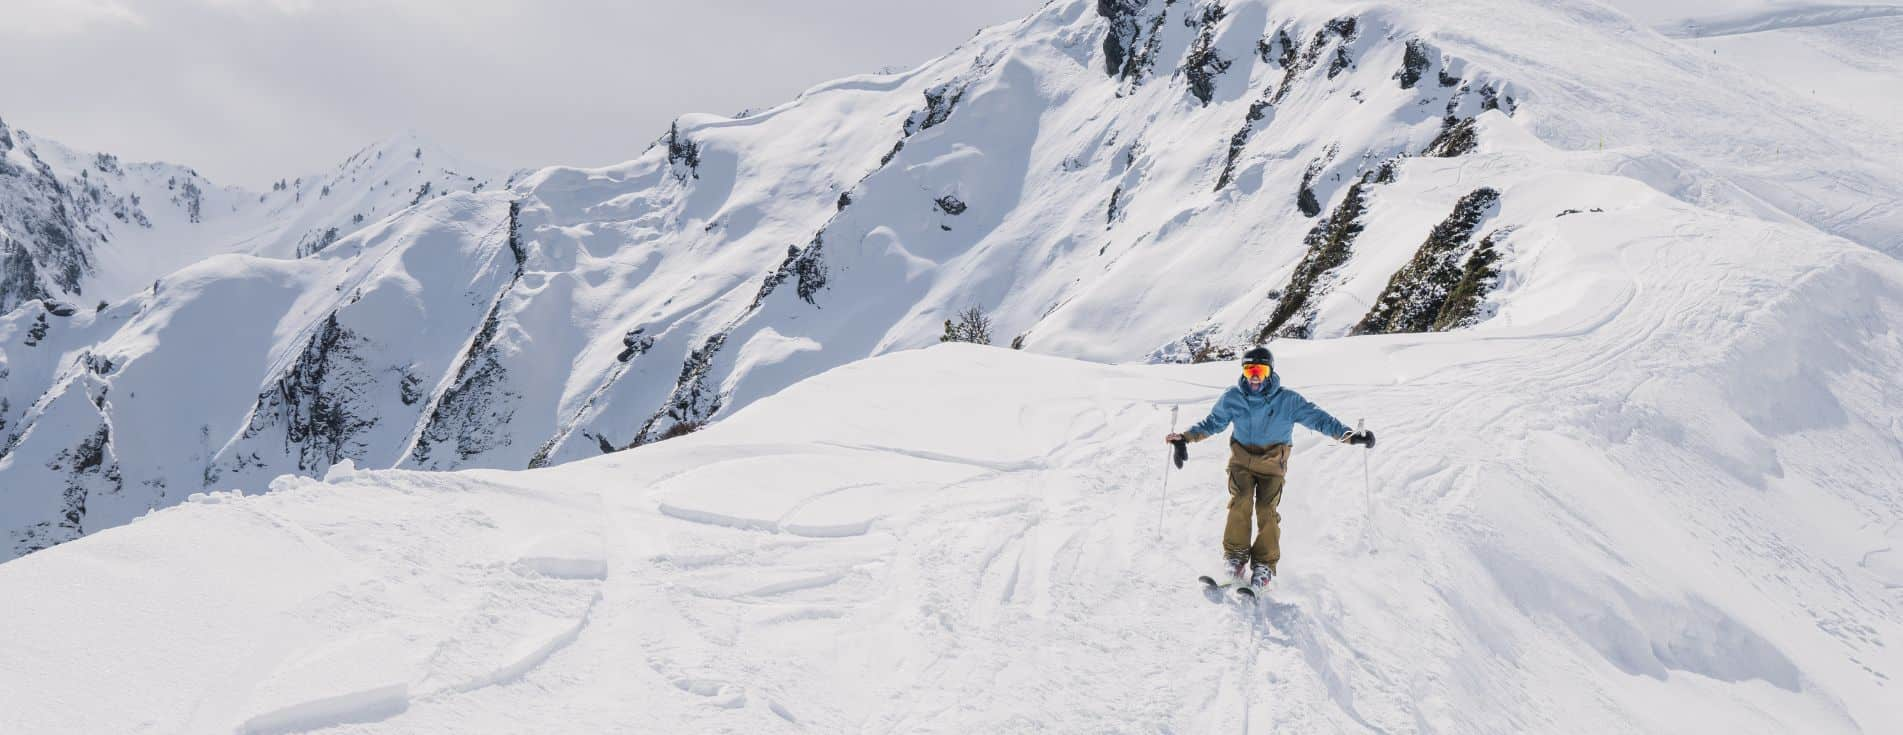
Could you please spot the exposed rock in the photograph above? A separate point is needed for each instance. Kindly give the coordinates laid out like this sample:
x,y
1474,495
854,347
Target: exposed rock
x,y
1120,41
19,280
1197,347
1389,170
940,101
1329,245
1140,59
804,266
1463,307
1305,198
1414,63
192,199
634,344
410,387
473,413
1458,137
1416,293
1345,29
692,400
1203,65
90,468
36,333
1257,110
312,401
949,205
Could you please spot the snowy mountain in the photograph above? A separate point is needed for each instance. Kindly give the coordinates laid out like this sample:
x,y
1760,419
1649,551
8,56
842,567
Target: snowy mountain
x,y
79,227
1110,181
1624,313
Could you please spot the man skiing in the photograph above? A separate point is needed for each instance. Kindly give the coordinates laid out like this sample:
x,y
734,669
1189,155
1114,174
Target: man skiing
x,y
1264,414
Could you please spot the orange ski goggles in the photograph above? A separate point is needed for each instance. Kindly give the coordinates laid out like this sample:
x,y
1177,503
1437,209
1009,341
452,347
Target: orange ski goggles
x,y
1255,371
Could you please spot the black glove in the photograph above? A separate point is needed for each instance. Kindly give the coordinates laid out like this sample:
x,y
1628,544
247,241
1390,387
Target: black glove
x,y
1182,452
1363,437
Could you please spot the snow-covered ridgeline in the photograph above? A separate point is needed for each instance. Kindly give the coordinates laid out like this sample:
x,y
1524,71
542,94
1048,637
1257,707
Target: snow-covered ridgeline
x,y
1106,180
79,227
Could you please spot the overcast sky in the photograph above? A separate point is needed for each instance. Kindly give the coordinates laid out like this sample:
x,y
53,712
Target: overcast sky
x,y
250,91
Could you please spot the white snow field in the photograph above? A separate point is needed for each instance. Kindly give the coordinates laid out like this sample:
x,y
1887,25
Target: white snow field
x,y
1659,496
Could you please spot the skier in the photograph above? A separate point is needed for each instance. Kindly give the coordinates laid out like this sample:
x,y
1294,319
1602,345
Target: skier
x,y
1264,414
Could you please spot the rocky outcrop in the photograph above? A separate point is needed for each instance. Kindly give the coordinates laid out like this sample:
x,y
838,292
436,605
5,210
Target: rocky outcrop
x,y
1328,247
1458,137
1203,64
1414,63
1416,294
472,415
1257,110
313,402
1134,41
46,247
1120,40
1467,305
1305,199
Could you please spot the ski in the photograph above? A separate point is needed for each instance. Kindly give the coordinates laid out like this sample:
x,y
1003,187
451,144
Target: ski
x,y
1215,591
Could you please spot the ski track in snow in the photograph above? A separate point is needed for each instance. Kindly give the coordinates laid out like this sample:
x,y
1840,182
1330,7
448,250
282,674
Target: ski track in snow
x,y
1807,16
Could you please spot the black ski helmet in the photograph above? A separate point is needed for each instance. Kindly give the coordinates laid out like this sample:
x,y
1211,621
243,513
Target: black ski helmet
x,y
1259,355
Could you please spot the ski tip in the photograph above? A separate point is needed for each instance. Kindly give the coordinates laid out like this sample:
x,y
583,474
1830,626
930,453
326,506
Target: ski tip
x,y
1248,592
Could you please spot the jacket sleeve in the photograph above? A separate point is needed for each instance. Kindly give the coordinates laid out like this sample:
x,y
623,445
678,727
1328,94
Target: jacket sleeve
x,y
1313,417
1218,420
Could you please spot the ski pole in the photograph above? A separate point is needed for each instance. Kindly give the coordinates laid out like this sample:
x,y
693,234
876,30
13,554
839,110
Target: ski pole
x,y
1168,456
1367,496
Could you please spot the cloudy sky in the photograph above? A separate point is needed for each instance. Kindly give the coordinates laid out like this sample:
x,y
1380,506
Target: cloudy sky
x,y
249,91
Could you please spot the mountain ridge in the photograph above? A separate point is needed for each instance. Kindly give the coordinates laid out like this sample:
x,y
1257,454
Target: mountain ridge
x,y
1027,172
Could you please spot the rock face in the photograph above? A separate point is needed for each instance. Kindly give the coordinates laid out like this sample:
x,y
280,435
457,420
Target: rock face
x,y
1109,179
47,241
1417,297
1328,247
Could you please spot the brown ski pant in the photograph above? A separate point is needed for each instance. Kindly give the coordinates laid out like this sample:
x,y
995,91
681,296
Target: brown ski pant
x,y
1255,488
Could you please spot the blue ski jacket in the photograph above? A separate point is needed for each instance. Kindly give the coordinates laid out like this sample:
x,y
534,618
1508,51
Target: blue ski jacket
x,y
1266,417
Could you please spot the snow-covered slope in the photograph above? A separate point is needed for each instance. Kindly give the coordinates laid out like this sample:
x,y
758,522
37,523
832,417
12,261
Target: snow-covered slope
x,y
81,227
1107,180
1658,493
1840,55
